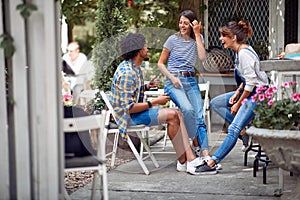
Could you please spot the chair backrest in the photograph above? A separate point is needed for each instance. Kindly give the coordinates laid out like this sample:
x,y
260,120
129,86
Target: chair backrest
x,y
106,100
205,87
83,126
82,123
95,161
86,95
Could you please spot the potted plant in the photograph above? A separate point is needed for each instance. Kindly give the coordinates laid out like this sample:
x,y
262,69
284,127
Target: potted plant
x,y
276,127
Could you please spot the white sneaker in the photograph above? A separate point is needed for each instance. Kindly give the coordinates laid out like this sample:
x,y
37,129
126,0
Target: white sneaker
x,y
244,148
207,158
194,169
181,167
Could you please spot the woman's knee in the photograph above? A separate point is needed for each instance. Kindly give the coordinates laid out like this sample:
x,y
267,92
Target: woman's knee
x,y
213,103
234,130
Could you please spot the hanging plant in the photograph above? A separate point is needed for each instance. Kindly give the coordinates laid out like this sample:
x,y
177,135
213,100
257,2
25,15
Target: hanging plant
x,y
26,9
7,42
7,45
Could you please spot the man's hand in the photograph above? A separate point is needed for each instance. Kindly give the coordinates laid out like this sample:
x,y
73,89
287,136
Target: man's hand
x,y
161,100
154,83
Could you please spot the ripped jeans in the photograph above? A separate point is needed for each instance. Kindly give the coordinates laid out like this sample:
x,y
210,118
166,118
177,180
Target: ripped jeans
x,y
245,114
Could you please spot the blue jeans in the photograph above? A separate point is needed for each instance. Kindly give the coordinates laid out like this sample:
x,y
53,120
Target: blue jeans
x,y
245,114
189,101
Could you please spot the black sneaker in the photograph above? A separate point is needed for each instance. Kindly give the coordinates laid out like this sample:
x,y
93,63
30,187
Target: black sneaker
x,y
245,139
203,170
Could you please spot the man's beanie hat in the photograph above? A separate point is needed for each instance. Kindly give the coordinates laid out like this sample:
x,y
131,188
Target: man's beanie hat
x,y
133,41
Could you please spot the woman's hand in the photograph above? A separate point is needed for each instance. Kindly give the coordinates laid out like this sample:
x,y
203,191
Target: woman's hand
x,y
176,82
196,26
235,108
233,99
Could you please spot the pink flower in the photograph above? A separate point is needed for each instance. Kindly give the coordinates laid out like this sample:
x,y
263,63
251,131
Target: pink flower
x,y
268,94
271,90
67,100
270,102
244,101
286,84
295,97
259,89
253,98
261,97
68,96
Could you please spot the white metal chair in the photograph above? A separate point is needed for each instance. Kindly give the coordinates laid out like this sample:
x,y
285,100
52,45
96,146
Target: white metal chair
x,y
85,96
138,129
206,110
96,162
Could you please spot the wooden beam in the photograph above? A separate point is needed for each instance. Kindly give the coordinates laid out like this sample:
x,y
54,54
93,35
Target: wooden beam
x,y
4,160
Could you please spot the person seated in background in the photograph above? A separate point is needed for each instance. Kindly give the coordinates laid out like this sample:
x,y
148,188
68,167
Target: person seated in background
x,y
127,92
74,58
75,61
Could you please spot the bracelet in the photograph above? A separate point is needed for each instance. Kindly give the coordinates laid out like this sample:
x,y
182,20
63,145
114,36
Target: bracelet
x,y
149,104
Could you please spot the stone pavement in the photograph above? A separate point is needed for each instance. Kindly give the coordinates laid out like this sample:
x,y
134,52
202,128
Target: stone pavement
x,y
234,182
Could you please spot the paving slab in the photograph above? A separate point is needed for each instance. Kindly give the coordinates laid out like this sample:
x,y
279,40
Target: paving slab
x,y
234,182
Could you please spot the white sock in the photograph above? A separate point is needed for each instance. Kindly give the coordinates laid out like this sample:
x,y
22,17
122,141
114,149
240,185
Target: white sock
x,y
197,148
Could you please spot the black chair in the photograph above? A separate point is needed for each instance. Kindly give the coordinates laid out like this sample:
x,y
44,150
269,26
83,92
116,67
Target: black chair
x,y
259,157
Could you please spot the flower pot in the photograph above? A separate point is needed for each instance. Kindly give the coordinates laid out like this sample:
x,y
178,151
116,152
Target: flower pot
x,y
282,147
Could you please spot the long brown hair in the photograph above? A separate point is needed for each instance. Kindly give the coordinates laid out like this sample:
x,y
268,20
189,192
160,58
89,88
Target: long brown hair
x,y
242,29
191,16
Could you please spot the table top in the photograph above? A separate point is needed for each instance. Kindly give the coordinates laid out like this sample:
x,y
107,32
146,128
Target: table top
x,y
280,65
154,92
217,74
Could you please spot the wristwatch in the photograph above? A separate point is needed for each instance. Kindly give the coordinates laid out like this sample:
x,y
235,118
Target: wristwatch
x,y
149,104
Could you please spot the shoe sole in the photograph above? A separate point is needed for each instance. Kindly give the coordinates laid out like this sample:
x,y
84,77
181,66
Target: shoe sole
x,y
180,170
203,173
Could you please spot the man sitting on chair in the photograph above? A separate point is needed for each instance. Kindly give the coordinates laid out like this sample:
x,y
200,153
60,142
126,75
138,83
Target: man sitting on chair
x,y
127,93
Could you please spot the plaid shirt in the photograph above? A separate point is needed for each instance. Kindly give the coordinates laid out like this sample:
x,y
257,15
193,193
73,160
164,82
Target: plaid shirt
x,y
124,93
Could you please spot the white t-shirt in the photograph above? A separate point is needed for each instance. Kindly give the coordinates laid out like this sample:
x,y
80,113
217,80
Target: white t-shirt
x,y
77,64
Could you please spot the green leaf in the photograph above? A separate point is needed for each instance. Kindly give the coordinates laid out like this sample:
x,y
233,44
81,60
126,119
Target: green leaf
x,y
7,45
26,9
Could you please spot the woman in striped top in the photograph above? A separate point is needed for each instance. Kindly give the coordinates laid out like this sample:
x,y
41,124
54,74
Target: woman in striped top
x,y
181,51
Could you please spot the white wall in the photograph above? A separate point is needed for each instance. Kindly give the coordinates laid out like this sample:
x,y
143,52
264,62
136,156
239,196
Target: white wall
x,y
34,162
276,27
